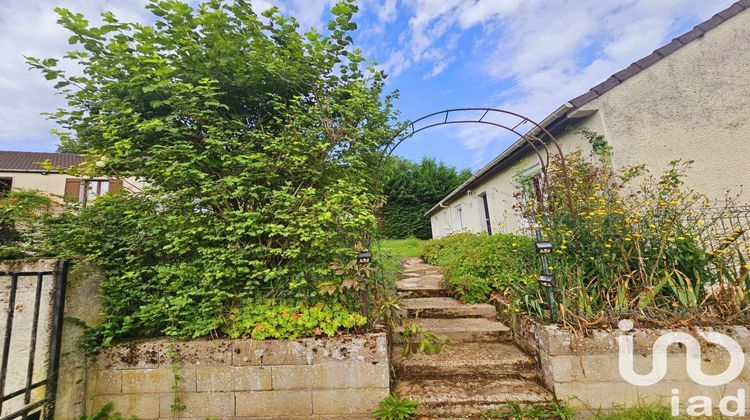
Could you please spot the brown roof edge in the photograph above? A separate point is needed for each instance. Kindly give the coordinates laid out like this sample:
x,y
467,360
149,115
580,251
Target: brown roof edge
x,y
14,161
697,32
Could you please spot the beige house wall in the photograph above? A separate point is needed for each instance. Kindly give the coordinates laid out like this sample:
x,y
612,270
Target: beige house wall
x,y
692,105
52,183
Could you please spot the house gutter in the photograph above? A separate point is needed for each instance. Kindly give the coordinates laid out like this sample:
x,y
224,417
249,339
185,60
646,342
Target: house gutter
x,y
502,157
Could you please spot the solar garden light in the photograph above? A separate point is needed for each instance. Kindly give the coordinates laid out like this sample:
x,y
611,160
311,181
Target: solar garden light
x,y
544,247
546,280
364,257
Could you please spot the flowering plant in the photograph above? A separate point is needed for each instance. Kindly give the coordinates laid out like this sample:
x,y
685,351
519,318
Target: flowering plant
x,y
628,242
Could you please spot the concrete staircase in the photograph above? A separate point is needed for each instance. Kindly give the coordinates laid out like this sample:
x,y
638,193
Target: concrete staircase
x,y
481,369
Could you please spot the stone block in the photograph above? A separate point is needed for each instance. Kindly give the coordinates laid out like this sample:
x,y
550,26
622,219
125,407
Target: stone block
x,y
369,348
142,406
200,404
587,395
156,380
331,376
132,355
105,382
340,401
201,353
266,353
233,378
282,404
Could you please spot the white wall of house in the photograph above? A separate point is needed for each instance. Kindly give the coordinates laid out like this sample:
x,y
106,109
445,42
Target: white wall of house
x,y
693,105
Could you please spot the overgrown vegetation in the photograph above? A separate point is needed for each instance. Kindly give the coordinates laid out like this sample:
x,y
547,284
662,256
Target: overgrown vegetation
x,y
257,142
411,189
631,243
21,214
394,408
555,410
479,268
627,243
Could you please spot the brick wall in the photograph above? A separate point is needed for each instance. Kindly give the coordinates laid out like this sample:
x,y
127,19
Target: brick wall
x,y
584,370
345,375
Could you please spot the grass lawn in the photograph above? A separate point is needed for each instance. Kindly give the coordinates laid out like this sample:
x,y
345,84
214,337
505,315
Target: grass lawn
x,y
398,248
389,251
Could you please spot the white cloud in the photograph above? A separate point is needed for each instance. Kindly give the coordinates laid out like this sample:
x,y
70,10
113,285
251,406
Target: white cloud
x,y
388,11
550,52
29,28
396,64
439,67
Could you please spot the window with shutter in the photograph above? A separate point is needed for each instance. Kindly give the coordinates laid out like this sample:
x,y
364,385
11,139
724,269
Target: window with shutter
x,y
73,190
115,185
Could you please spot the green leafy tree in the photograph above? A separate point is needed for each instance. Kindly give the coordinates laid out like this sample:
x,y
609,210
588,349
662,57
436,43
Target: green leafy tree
x,y
257,142
411,189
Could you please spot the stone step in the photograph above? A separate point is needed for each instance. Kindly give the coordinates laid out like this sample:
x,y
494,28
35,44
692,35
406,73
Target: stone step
x,y
496,360
462,396
463,330
421,271
422,286
445,307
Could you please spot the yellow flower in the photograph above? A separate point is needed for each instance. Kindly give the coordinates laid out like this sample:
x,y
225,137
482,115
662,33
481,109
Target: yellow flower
x,y
607,246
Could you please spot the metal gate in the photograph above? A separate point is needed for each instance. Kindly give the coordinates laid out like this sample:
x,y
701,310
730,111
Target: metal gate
x,y
31,321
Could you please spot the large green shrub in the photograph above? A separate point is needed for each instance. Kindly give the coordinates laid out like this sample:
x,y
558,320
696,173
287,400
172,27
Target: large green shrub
x,y
257,143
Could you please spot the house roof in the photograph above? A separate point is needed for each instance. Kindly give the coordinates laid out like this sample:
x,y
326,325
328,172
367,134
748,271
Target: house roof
x,y
32,161
562,113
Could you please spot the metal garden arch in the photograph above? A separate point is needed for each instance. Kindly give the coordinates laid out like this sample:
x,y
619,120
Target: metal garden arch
x,y
538,143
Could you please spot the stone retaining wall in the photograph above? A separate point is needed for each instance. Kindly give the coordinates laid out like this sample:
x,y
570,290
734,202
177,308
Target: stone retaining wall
x,y
320,377
584,370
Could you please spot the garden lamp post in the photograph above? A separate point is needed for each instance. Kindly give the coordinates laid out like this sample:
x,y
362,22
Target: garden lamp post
x,y
546,279
363,260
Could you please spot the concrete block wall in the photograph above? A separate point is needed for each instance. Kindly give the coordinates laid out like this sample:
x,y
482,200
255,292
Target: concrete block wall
x,y
314,377
584,370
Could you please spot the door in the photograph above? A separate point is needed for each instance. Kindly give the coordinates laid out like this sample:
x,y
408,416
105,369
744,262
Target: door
x,y
484,208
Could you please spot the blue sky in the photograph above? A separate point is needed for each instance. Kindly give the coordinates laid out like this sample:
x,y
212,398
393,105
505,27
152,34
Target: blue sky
x,y
529,56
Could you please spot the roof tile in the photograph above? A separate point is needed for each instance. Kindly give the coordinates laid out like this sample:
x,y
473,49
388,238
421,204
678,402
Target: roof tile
x,y
605,85
730,11
711,23
692,35
648,60
669,48
744,3
626,74
584,99
31,161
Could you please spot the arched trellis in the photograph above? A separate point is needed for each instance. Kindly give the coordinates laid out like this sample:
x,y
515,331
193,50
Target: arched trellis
x,y
538,143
